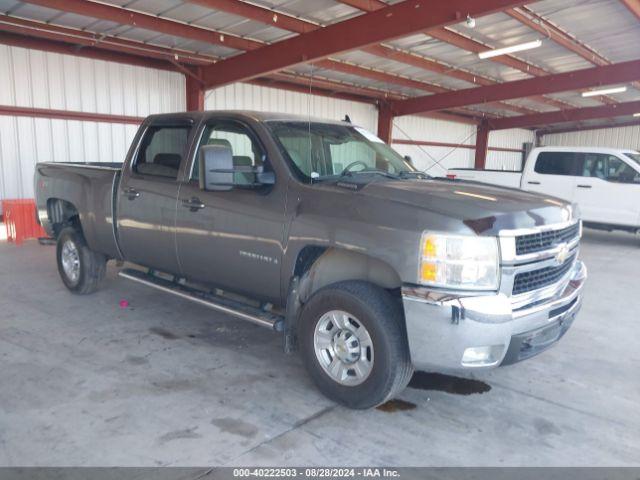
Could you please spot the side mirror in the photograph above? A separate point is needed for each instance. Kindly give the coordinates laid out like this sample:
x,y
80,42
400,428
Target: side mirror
x,y
218,173
216,168
266,178
409,160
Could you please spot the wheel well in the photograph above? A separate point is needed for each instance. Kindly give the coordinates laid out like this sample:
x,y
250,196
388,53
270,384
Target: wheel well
x,y
62,214
318,267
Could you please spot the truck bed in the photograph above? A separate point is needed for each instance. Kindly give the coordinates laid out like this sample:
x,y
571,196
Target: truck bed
x,y
90,189
503,178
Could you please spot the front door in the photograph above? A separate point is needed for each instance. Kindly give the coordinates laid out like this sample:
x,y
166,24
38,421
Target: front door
x,y
232,239
607,191
146,208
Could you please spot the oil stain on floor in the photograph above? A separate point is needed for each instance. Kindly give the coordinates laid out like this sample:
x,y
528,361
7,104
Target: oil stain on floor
x,y
447,383
396,405
439,382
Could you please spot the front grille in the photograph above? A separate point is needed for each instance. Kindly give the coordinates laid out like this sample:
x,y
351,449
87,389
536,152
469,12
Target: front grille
x,y
543,277
537,242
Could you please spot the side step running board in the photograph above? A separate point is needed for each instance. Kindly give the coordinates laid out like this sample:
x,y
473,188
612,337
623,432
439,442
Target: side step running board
x,y
216,302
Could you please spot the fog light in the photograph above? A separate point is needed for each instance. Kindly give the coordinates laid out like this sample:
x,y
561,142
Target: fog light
x,y
482,356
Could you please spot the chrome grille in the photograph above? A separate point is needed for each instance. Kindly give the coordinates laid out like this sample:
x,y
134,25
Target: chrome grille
x,y
539,241
543,277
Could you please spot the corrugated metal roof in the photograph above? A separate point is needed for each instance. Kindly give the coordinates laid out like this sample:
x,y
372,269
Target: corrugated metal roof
x,y
606,26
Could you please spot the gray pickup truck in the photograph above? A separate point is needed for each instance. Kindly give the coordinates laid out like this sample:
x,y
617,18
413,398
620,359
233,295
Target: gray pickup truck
x,y
320,231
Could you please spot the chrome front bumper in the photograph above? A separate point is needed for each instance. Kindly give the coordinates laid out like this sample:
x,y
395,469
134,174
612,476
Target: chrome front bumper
x,y
454,332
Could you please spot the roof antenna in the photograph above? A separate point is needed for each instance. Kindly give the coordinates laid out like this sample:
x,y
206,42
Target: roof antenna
x,y
313,174
346,119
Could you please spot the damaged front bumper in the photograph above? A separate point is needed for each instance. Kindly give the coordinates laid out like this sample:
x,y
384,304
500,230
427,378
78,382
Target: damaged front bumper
x,y
455,332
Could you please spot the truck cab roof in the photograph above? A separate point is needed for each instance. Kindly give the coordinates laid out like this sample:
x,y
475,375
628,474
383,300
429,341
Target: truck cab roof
x,y
604,150
248,114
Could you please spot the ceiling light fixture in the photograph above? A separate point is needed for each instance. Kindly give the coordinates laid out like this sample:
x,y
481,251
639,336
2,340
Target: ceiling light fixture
x,y
513,48
604,91
471,22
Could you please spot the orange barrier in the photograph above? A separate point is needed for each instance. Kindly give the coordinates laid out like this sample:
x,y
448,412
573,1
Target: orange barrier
x,y
20,220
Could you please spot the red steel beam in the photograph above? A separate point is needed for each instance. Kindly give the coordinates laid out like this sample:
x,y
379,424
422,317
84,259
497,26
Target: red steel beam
x,y
582,128
565,116
67,115
144,20
106,42
394,21
88,52
451,145
482,145
194,90
559,82
385,123
633,6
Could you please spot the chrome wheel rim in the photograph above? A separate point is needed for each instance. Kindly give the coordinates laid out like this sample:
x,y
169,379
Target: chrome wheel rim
x,y
70,261
343,348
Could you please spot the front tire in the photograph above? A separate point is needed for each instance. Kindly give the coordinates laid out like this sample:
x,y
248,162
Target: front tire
x,y
354,345
80,268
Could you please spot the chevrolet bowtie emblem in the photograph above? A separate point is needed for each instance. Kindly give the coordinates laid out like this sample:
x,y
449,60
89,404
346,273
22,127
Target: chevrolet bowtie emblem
x,y
563,253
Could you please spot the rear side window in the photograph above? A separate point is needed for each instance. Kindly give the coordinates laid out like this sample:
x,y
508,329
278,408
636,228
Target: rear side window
x,y
557,163
162,151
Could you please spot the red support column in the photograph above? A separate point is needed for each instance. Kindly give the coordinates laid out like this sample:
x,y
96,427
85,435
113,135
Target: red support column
x,y
482,144
385,123
195,94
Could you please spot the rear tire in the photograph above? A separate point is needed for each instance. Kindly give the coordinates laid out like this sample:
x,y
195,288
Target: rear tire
x,y
354,344
80,268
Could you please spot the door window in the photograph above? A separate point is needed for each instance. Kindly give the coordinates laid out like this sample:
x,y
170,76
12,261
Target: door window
x,y
608,167
245,150
162,151
557,163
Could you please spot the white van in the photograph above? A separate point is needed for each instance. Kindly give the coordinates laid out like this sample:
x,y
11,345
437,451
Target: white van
x,y
605,182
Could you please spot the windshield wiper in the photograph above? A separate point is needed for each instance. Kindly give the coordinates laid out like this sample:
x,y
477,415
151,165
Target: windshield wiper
x,y
413,174
370,170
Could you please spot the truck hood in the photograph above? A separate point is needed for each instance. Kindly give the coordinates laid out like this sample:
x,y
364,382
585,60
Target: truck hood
x,y
483,208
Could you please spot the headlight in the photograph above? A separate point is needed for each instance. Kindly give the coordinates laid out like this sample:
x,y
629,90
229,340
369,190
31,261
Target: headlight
x,y
458,261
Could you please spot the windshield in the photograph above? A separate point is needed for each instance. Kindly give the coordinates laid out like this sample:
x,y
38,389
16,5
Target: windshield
x,y
633,156
321,151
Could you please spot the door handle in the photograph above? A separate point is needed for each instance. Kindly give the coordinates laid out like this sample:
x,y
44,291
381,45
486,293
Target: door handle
x,y
584,186
193,204
131,193
533,183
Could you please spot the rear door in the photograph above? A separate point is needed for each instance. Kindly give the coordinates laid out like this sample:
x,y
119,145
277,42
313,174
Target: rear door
x,y
148,194
608,190
553,173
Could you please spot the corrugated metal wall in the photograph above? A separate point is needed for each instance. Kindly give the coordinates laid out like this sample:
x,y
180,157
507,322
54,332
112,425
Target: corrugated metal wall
x,y
620,137
436,160
243,96
508,139
30,78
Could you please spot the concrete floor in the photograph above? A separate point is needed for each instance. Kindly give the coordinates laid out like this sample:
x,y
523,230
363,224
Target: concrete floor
x,y
165,382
